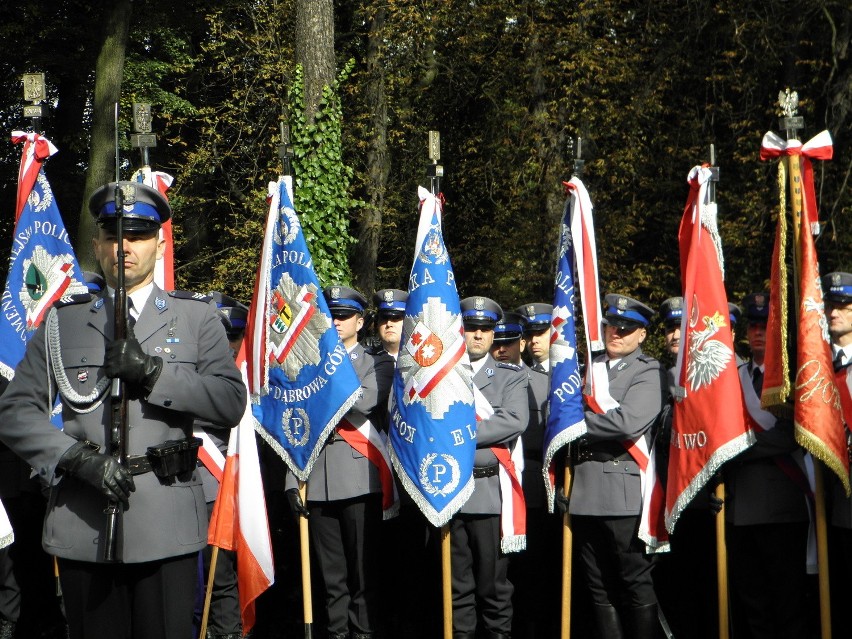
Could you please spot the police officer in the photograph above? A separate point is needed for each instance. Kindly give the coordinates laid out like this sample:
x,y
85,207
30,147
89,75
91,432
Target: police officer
x,y
390,312
224,619
534,573
479,566
176,367
605,501
766,514
537,316
344,489
837,289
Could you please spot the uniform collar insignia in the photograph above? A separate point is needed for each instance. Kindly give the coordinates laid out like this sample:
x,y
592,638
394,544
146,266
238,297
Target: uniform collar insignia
x,y
98,303
489,372
160,303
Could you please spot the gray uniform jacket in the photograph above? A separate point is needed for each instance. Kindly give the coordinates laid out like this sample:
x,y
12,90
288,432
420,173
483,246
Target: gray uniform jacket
x,y
757,490
340,471
613,488
504,385
198,379
533,438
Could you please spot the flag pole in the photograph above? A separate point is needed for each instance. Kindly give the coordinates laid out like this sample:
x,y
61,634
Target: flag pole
x,y
791,124
567,483
721,545
435,172
285,152
305,556
205,614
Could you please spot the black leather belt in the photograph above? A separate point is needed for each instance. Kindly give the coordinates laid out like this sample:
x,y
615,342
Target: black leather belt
x,y
600,452
480,472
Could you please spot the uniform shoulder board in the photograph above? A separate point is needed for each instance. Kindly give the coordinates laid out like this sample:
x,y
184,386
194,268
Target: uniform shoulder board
x,y
68,300
509,365
646,358
190,295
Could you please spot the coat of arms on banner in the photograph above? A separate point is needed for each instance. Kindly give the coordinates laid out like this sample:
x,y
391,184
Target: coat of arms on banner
x,y
297,325
428,359
46,278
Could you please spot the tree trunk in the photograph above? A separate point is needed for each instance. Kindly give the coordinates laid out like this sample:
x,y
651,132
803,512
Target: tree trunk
x,y
378,162
315,49
109,69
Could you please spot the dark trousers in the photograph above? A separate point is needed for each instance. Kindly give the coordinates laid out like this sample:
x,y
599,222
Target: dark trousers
x,y
618,572
766,564
224,615
344,535
151,600
479,574
686,578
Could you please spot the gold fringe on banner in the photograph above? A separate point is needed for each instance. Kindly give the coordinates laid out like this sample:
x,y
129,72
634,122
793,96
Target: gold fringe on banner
x,y
774,397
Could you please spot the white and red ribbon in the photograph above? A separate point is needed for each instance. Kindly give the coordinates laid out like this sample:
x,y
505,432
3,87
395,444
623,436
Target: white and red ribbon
x,y
652,529
37,149
368,440
819,147
513,505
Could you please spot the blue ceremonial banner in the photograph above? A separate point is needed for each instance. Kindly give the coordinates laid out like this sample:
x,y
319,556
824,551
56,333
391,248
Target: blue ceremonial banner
x,y
300,376
565,420
432,413
42,269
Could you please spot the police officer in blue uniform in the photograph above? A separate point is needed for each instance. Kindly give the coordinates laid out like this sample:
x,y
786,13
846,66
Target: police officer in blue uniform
x,y
344,491
605,501
176,367
481,588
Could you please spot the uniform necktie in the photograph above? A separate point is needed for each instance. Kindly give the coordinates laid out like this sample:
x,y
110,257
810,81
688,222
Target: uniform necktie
x,y
757,380
839,359
131,315
538,367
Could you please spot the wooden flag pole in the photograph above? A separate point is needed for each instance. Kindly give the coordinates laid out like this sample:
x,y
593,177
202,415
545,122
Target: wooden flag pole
x,y
446,581
567,548
307,603
722,566
205,615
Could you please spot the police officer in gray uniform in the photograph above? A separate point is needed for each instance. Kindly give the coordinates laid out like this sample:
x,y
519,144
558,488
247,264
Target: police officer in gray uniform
x,y
479,567
176,367
344,489
605,501
224,619
766,514
390,312
837,289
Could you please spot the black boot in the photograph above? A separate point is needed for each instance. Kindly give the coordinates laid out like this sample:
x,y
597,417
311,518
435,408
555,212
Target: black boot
x,y
7,629
464,635
499,635
607,622
362,635
643,622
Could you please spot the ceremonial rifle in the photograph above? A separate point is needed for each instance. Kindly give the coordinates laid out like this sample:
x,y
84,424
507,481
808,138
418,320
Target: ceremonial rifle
x,y
118,422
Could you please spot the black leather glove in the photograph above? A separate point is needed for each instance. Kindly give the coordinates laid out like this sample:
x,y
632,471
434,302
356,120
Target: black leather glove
x,y
715,504
296,503
100,471
561,501
126,360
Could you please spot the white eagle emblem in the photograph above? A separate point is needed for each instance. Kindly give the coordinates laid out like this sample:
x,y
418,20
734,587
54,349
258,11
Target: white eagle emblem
x,y
707,357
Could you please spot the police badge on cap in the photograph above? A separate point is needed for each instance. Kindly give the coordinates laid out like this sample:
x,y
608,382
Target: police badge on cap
x,y
480,311
625,312
143,209
837,287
